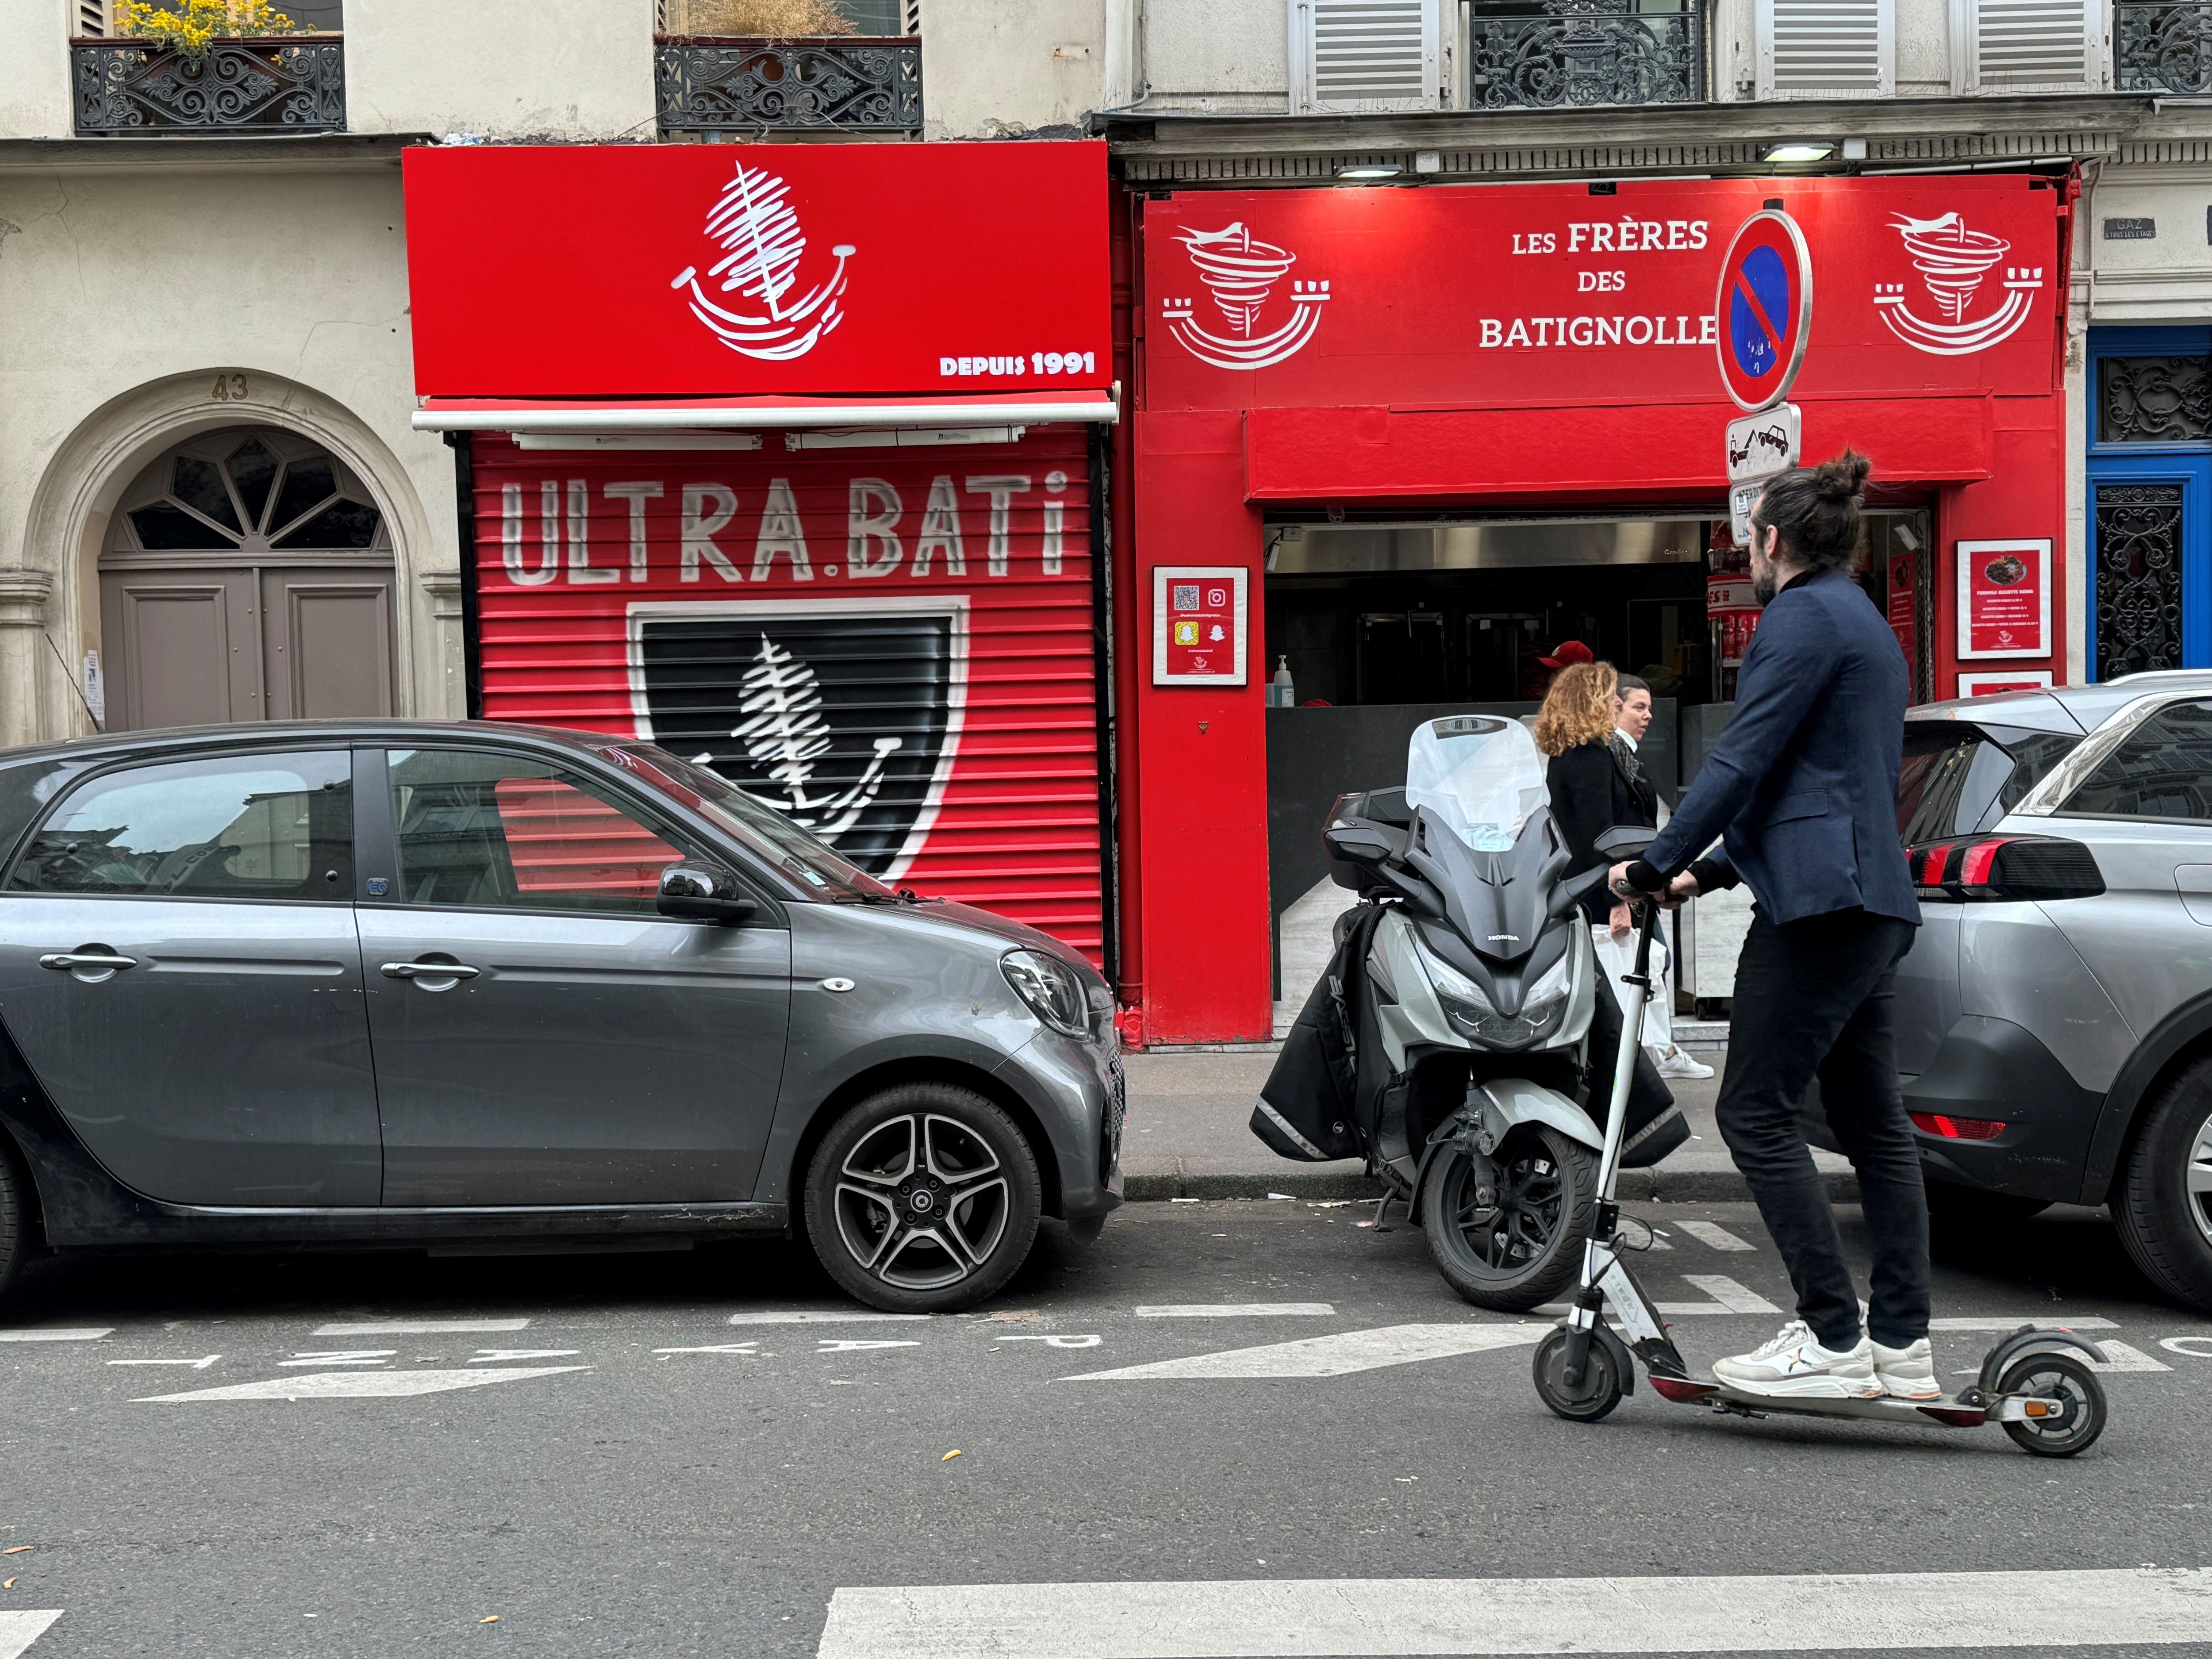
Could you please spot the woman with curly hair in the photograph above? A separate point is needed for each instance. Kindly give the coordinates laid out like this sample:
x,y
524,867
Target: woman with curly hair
x,y
1595,780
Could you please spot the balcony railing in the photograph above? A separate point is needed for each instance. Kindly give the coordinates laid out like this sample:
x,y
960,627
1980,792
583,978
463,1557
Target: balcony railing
x,y
277,84
1582,52
830,83
2162,47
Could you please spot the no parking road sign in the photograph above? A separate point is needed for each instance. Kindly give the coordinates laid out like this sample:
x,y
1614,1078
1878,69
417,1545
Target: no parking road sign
x,y
1763,309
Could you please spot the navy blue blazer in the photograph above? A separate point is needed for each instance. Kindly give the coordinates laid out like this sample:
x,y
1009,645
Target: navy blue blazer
x,y
1802,789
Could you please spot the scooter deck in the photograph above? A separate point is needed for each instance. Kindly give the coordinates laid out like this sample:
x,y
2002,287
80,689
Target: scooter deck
x,y
1947,1412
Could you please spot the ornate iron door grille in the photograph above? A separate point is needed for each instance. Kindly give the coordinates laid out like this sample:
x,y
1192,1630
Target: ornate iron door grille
x,y
2161,47
2153,400
1586,53
715,86
280,84
2138,578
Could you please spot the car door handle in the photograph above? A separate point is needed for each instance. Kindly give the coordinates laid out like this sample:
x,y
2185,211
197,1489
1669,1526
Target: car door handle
x,y
63,961
429,970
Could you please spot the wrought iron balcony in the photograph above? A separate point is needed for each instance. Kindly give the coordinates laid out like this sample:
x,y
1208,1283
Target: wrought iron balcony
x,y
2162,47
281,84
829,83
1582,53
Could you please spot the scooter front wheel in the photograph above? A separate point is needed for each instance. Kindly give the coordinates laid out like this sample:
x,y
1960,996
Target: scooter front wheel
x,y
1513,1240
1603,1382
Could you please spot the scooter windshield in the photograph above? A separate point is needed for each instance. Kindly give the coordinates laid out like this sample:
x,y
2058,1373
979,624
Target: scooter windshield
x,y
1480,776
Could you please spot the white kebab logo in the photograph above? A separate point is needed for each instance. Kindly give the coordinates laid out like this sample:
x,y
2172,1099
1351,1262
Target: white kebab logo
x,y
763,247
784,734
1953,262
1241,271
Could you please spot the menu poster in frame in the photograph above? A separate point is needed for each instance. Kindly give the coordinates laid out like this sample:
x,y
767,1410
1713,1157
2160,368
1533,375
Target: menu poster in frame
x,y
2004,599
1995,681
1199,624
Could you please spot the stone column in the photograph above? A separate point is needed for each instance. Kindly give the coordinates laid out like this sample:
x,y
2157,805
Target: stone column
x,y
25,659
443,588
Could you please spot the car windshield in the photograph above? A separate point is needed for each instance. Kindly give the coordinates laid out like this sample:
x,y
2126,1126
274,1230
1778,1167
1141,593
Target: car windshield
x,y
1480,776
760,828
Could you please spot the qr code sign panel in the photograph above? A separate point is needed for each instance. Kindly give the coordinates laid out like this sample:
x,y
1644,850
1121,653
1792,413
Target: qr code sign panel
x,y
1185,596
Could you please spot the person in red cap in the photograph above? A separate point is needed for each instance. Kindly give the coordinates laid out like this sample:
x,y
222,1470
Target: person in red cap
x,y
1567,653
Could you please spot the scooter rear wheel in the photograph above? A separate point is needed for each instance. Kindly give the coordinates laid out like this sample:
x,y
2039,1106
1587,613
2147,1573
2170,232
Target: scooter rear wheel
x,y
1603,1382
2070,1380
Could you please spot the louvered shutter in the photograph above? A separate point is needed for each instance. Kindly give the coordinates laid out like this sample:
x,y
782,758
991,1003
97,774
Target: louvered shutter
x,y
2008,46
1825,48
92,18
1349,56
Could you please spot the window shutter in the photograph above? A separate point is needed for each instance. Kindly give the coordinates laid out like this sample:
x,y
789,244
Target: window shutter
x,y
2009,45
912,11
1351,56
92,18
1825,48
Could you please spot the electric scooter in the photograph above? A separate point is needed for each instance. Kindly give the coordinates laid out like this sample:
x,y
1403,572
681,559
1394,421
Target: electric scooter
x,y
2051,1403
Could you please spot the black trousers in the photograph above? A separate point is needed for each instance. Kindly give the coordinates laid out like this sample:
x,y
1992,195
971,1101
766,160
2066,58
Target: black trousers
x,y
1815,998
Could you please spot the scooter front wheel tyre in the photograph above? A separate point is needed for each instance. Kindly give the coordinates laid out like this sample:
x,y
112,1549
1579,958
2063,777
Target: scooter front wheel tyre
x,y
1603,1382
1522,1247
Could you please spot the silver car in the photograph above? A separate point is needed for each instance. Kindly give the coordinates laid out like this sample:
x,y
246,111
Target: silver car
x,y
398,983
2055,1014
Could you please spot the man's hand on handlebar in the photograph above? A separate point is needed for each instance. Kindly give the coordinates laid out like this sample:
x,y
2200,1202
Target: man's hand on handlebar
x,y
1682,888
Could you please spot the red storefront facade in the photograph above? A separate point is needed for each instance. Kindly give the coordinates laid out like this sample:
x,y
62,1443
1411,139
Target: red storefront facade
x,y
794,475
1542,355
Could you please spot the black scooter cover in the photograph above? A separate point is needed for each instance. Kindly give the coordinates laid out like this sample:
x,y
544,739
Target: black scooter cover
x,y
1308,1110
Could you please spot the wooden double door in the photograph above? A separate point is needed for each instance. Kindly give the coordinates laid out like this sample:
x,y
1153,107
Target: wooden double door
x,y
196,646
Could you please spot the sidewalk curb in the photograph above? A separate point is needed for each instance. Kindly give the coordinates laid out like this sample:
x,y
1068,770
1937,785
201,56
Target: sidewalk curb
x,y
1646,1185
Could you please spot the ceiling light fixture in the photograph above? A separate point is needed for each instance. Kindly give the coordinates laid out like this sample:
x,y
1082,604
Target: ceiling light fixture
x,y
1365,170
1799,149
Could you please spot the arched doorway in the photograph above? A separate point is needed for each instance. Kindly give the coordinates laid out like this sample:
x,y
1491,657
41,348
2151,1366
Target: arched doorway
x,y
248,575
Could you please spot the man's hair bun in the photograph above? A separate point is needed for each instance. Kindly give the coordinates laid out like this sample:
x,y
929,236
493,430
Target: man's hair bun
x,y
1842,477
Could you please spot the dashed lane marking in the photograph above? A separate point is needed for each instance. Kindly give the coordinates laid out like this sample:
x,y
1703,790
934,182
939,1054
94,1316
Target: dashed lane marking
x,y
1727,1298
418,1326
199,1365
1331,1356
819,1317
1365,1617
1707,1232
1982,1322
361,1385
1236,1310
2125,1357
55,1333
18,1629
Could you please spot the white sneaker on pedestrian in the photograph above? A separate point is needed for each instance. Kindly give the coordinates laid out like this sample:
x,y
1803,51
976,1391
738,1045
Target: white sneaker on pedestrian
x,y
1677,1062
1794,1365
1907,1373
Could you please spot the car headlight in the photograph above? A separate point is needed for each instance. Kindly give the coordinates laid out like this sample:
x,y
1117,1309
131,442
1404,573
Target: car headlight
x,y
1054,992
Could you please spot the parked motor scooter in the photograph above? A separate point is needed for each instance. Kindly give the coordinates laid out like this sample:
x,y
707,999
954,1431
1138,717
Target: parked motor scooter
x,y
1448,1042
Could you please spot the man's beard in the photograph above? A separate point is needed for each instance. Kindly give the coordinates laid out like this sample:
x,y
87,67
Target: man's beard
x,y
1763,584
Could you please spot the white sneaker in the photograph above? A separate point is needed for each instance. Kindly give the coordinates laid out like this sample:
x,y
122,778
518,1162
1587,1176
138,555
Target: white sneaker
x,y
1794,1365
1677,1062
1907,1373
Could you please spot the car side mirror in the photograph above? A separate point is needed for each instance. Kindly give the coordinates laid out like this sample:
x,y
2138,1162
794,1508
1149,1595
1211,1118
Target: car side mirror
x,y
1625,841
699,890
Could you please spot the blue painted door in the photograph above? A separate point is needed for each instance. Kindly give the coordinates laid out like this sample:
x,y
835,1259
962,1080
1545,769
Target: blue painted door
x,y
2149,507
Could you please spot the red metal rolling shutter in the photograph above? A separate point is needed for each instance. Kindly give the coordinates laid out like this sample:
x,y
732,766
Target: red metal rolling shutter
x,y
893,645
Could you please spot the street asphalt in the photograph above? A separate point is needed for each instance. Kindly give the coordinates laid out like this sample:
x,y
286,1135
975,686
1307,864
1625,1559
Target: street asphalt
x,y
669,1463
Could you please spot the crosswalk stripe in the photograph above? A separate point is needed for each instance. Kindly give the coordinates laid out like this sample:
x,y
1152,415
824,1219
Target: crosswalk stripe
x,y
820,1317
1236,1311
1331,1356
18,1629
2013,1323
1360,1619
417,1327
1727,1298
1708,1232
360,1385
2126,1357
91,1334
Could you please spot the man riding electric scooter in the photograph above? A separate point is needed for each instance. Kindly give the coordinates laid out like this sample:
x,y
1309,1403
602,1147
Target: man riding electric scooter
x,y
1801,791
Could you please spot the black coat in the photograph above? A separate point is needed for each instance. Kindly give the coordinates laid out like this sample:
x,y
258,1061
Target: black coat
x,y
1591,793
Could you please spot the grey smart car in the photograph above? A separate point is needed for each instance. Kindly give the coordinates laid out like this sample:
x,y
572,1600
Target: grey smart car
x,y
2055,1013
392,983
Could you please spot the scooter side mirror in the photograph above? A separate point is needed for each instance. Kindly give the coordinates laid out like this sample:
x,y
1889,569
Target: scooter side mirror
x,y
1569,893
1625,841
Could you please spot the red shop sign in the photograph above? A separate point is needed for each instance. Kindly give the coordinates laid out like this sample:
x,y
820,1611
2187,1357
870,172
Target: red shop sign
x,y
2004,599
654,271
1543,295
893,648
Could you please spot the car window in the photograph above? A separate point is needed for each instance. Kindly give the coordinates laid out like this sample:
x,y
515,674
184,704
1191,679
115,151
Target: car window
x,y
760,828
2162,770
506,832
1957,779
234,826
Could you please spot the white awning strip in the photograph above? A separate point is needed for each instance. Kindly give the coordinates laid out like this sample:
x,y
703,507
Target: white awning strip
x,y
694,418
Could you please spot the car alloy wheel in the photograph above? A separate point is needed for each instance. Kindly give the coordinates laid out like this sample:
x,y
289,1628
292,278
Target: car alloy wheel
x,y
925,1198
2196,1179
2162,1201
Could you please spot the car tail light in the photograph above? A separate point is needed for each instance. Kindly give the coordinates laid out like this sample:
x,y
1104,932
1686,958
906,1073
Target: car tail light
x,y
2004,867
1957,1128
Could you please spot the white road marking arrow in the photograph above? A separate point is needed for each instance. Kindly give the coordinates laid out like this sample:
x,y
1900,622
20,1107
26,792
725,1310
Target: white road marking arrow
x,y
196,1365
717,1347
509,1356
834,1346
18,1629
1334,1355
362,1385
1055,1341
